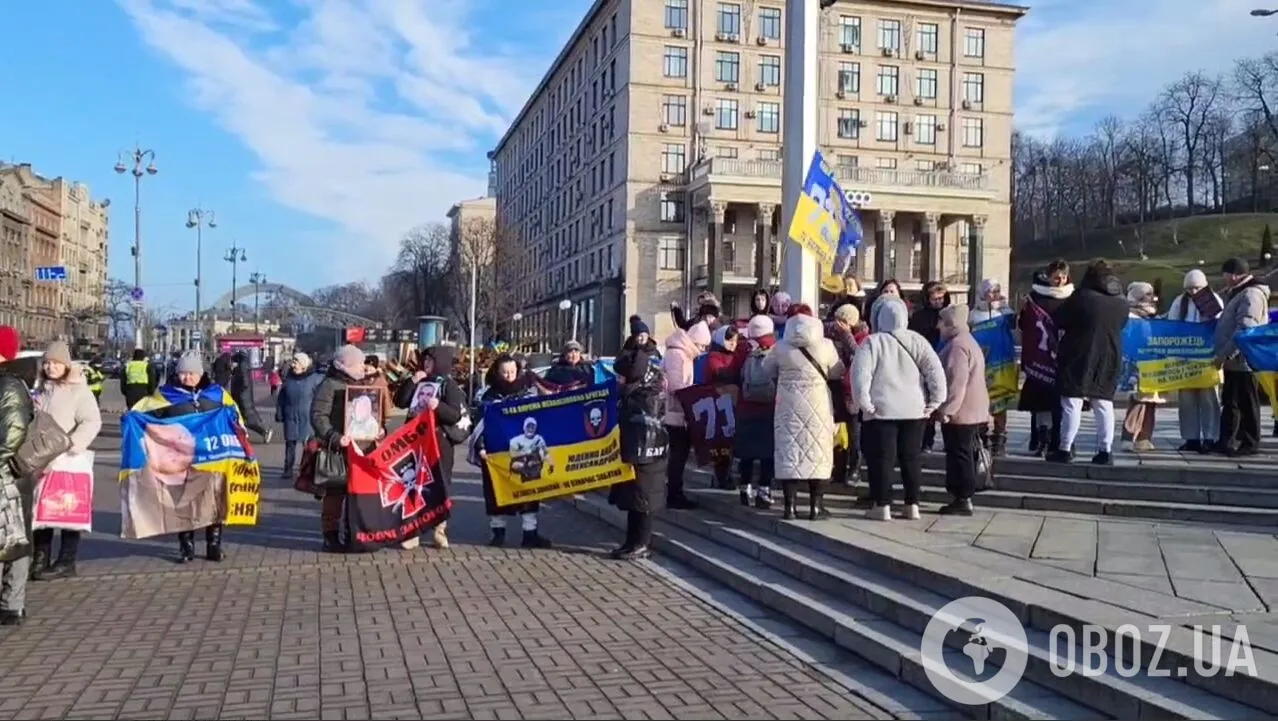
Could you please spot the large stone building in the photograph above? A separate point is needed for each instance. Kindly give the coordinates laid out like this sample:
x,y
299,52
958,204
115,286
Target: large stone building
x,y
45,223
655,137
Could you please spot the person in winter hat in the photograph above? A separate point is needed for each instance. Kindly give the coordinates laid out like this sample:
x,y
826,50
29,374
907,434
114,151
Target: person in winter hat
x,y
753,443
505,381
991,304
641,337
1138,425
328,426
1198,408
639,403
708,311
926,322
682,349
780,307
966,409
1246,306
841,331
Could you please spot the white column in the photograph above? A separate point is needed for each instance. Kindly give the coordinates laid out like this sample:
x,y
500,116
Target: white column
x,y
799,275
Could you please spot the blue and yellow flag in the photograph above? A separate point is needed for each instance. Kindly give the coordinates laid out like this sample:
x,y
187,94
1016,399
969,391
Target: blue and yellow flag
x,y
549,446
186,472
1001,375
1168,355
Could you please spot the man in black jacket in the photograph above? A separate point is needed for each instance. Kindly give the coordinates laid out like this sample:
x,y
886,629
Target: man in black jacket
x,y
926,322
244,395
1089,359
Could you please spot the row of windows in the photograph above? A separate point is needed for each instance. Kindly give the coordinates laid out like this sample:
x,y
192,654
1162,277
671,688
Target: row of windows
x,y
728,21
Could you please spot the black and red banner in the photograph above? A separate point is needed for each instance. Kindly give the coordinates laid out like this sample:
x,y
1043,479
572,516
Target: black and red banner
x,y
395,490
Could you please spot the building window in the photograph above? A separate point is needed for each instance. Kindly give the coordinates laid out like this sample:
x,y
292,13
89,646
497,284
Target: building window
x,y
674,110
769,154
850,78
925,129
728,19
670,253
925,86
770,23
890,35
726,151
727,67
974,88
849,123
770,71
673,158
929,38
973,132
974,42
889,80
848,161
676,14
923,166
850,32
886,126
675,62
769,117
886,163
971,169
725,114
671,208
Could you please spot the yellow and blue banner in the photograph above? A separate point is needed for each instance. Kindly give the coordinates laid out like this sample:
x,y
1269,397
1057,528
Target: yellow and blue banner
x,y
1163,355
1259,347
545,447
186,472
1001,374
820,217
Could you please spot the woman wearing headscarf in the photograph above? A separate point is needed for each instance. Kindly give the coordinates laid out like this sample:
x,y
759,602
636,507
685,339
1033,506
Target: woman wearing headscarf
x,y
1138,425
328,425
504,381
293,406
991,304
1199,408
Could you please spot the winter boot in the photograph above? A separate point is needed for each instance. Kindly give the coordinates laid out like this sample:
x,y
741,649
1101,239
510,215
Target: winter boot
x,y
960,507
186,547
534,539
498,538
441,536
64,567
333,542
998,445
213,543
39,562
763,498
788,492
816,502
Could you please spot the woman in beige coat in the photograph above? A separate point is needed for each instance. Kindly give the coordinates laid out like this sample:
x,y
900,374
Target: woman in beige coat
x,y
804,362
63,393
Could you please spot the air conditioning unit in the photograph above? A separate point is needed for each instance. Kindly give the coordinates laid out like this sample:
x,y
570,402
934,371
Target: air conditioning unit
x,y
720,36
732,38
663,128
840,94
888,52
707,110
760,86
666,177
848,48
918,100
967,105
889,98
918,54
750,114
730,87
907,127
678,32
761,40
863,123
940,126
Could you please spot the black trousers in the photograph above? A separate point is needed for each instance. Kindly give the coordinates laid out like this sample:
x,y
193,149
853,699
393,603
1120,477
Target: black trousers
x,y
290,454
638,529
43,539
887,443
766,470
1240,410
680,448
929,436
961,443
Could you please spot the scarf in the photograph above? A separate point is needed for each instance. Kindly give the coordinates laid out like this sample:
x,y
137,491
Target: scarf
x,y
1051,291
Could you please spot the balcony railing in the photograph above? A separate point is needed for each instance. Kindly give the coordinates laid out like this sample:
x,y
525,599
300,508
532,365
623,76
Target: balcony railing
x,y
848,175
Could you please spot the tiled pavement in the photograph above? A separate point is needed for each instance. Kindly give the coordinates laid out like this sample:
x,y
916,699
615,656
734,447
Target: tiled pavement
x,y
280,631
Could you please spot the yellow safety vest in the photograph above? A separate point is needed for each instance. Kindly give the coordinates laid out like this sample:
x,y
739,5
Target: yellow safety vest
x,y
135,373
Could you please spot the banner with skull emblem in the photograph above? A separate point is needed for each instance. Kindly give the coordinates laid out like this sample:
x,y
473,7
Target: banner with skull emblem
x,y
545,447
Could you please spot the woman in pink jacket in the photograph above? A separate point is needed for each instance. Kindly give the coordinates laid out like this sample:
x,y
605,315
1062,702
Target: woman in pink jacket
x,y
682,348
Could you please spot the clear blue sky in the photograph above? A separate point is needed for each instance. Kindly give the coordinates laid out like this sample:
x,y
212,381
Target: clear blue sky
x,y
321,130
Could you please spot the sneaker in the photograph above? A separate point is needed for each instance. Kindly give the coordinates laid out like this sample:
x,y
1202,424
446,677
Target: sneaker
x,y
270,433
1144,446
961,507
763,498
1059,456
441,536
1103,458
411,543
638,553
1243,451
879,513
744,494
911,511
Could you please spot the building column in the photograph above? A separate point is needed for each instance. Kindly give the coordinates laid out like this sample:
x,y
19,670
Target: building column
x,y
931,248
763,244
884,237
976,257
714,250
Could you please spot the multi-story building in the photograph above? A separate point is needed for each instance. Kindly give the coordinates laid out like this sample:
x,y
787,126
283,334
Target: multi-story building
x,y
471,222
83,252
646,164
15,250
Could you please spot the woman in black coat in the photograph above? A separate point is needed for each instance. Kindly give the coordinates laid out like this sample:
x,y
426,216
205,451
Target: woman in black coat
x,y
504,381
1089,360
641,396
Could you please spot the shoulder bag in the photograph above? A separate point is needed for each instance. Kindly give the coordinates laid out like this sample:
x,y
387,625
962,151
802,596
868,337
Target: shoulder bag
x,y
835,387
45,441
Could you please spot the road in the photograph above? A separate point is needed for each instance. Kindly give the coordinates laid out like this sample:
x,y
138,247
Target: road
x,y
281,631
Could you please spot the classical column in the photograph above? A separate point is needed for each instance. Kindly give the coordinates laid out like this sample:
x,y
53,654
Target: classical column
x,y
884,237
975,257
931,240
714,250
763,243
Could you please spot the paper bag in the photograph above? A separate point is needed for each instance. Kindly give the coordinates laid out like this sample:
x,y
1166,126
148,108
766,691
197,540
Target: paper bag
x,y
64,494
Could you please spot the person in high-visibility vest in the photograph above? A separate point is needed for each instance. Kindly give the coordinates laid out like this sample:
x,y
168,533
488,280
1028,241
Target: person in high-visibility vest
x,y
93,376
139,378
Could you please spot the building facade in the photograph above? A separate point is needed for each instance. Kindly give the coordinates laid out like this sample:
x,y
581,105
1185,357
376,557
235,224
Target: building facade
x,y
646,165
85,239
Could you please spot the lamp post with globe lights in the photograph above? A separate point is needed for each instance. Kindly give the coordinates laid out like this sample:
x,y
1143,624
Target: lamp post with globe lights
x,y
199,219
143,162
514,330
234,255
258,280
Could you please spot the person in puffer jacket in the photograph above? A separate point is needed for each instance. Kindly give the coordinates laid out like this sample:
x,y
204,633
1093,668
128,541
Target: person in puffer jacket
x,y
753,442
682,349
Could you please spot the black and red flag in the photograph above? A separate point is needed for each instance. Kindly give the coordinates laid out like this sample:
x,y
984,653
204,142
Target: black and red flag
x,y
395,490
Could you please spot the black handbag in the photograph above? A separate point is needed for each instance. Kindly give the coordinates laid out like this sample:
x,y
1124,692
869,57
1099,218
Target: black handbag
x,y
330,467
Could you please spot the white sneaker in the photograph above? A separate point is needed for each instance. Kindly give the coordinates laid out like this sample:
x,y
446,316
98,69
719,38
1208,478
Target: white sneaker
x,y
411,543
912,512
879,513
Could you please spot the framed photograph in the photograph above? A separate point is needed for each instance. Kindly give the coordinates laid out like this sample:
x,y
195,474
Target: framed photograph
x,y
421,395
363,412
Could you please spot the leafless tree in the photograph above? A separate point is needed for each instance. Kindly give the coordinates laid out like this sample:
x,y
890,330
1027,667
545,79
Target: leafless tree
x,y
118,308
418,282
1189,105
487,258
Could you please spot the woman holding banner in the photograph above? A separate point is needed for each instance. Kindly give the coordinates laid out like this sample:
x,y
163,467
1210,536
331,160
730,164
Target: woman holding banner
x,y
645,444
1138,425
992,304
504,381
1199,409
1039,340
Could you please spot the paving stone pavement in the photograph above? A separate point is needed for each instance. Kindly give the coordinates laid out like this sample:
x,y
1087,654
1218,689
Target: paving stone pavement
x,y
280,631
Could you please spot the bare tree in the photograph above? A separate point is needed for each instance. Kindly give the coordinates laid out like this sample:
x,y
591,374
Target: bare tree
x,y
488,259
1111,152
418,283
118,308
1189,105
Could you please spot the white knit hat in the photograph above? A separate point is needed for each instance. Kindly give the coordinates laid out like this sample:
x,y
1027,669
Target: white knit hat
x,y
1195,279
759,326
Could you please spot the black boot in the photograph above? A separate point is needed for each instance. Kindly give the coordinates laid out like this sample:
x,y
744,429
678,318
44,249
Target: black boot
x,y
64,567
186,547
639,541
816,502
333,542
213,543
533,539
12,618
40,559
498,537
788,493
999,445
633,522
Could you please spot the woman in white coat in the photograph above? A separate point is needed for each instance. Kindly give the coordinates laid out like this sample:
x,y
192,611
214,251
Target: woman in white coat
x,y
1199,409
804,362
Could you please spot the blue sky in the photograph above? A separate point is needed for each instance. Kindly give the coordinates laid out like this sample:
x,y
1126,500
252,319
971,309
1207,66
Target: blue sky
x,y
320,130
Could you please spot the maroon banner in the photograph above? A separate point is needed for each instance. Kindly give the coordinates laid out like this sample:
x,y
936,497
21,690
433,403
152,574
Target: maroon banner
x,y
1038,344
711,414
395,490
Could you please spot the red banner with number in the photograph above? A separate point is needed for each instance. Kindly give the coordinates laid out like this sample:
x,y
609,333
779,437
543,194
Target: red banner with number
x,y
711,415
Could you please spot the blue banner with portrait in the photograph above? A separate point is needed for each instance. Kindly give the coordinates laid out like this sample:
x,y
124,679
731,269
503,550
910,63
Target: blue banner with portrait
x,y
185,473
1161,355
999,346
544,447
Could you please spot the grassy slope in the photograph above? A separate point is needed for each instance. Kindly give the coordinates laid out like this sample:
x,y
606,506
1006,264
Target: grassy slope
x,y
1205,239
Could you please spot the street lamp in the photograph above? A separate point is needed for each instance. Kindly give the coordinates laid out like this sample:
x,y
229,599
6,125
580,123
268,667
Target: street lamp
x,y
143,164
199,218
565,304
257,279
234,255
514,327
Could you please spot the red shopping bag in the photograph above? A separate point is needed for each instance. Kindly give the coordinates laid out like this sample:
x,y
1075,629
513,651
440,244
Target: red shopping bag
x,y
64,495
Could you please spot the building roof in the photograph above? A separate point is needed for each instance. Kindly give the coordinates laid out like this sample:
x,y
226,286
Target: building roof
x,y
597,8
